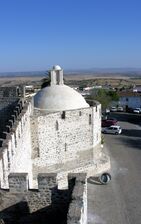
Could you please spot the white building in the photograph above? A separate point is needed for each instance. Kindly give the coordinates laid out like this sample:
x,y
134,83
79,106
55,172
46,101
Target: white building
x,y
130,99
137,89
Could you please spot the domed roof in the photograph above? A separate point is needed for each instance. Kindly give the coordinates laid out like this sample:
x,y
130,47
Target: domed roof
x,y
59,98
56,67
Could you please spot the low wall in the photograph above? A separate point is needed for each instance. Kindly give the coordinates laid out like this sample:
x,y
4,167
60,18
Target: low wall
x,y
45,203
16,144
12,91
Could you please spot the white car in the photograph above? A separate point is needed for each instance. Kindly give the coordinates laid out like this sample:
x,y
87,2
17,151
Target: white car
x,y
107,110
114,129
120,109
137,110
113,109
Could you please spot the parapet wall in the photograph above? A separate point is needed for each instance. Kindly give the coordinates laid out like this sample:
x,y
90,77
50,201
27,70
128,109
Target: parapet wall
x,y
59,206
16,143
8,91
77,212
12,91
10,98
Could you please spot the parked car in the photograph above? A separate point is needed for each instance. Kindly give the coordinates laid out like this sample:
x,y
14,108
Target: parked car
x,y
113,109
137,110
107,111
108,122
120,109
114,129
112,118
104,117
129,110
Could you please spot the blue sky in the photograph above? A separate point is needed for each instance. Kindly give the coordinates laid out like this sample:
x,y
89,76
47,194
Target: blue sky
x,y
35,34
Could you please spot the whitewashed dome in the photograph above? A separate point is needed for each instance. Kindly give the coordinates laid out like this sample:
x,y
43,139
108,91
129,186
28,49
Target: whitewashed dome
x,y
57,96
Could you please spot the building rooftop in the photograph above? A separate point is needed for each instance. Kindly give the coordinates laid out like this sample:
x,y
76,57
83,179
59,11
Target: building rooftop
x,y
128,93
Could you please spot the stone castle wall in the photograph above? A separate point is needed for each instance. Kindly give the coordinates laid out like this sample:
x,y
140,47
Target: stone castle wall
x,y
36,142
9,92
39,142
15,153
9,99
19,204
62,137
12,91
96,121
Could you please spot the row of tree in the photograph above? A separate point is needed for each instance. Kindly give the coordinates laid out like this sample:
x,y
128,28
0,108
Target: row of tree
x,y
105,97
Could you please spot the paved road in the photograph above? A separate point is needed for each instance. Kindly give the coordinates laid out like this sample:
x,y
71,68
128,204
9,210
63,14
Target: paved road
x,y
119,202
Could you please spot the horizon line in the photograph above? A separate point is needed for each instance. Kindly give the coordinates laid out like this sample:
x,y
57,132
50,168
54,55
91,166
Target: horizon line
x,y
78,69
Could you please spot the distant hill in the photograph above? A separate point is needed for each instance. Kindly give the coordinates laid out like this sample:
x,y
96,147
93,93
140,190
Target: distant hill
x,y
105,70
22,74
129,72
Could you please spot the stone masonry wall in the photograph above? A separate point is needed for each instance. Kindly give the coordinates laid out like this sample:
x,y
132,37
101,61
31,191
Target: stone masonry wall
x,y
19,204
15,153
12,91
77,213
96,120
9,92
62,137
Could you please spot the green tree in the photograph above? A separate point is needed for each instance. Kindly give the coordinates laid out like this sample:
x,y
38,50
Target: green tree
x,y
113,95
46,81
105,97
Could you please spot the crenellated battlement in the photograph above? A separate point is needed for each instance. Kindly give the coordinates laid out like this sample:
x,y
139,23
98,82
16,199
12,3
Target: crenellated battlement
x,y
19,182
12,138
69,204
12,91
14,111
20,112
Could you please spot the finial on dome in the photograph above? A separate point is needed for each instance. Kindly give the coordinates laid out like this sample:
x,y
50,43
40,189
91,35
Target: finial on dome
x,y
57,75
56,68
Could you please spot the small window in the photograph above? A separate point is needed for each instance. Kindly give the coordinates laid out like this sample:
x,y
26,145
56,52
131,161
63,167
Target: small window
x,y
99,112
96,108
90,118
80,113
57,126
126,99
65,147
8,158
63,115
15,140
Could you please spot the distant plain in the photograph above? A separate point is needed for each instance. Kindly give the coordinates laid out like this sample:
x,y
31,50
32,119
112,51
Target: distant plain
x,y
78,78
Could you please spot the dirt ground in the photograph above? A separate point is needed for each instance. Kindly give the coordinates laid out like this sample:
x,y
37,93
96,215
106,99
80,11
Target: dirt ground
x,y
74,79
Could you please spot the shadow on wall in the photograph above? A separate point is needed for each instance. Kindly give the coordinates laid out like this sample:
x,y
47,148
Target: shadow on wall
x,y
55,213
19,214
5,115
